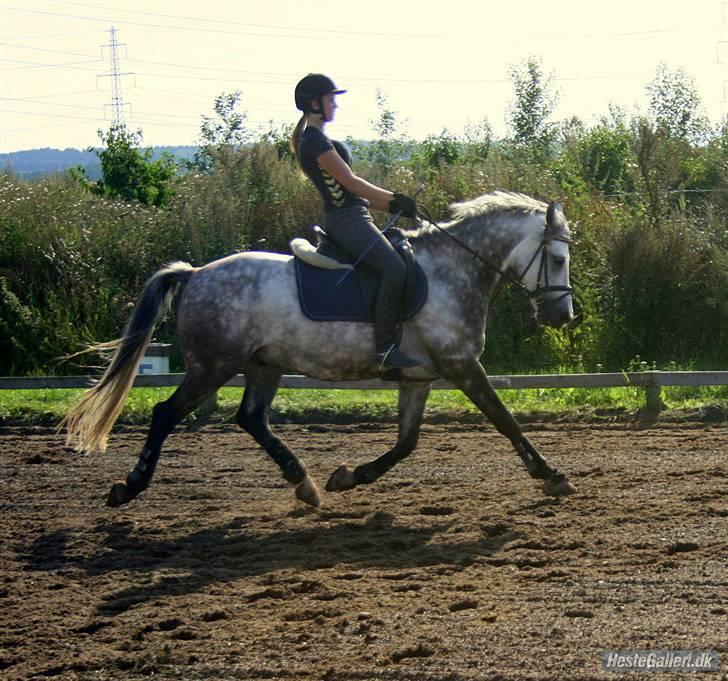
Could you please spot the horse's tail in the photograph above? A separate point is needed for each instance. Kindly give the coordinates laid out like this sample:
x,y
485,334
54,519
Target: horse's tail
x,y
88,423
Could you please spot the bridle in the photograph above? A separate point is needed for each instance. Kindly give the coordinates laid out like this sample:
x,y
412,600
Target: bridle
x,y
539,293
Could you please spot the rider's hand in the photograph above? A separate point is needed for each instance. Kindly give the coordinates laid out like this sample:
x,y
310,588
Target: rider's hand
x,y
404,204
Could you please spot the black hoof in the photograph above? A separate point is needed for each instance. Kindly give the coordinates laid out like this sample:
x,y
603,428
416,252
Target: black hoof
x,y
119,495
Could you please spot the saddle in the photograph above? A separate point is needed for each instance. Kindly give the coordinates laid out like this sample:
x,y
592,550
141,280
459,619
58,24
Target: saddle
x,y
330,288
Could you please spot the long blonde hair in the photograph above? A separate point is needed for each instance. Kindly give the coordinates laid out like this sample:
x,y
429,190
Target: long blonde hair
x,y
296,135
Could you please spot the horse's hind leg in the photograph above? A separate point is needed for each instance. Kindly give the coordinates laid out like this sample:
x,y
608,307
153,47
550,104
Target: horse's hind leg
x,y
412,400
194,389
261,385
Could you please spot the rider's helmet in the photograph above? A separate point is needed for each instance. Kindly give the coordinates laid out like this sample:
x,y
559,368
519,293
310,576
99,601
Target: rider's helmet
x,y
312,88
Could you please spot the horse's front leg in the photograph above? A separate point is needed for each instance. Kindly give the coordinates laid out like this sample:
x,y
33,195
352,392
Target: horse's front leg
x,y
412,399
471,378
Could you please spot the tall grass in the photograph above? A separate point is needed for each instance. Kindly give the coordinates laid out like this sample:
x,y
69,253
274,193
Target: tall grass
x,y
650,263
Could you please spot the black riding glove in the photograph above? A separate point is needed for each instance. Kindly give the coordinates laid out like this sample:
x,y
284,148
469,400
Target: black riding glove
x,y
406,204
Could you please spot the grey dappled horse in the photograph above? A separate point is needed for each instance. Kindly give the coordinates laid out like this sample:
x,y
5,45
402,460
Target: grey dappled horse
x,y
241,314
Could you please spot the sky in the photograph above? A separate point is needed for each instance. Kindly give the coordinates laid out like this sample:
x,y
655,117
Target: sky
x,y
441,65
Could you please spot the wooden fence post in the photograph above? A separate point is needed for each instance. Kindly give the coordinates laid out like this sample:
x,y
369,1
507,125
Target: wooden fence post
x,y
653,393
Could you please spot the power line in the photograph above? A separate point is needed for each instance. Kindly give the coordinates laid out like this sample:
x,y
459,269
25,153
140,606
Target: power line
x,y
227,22
42,127
321,32
35,65
65,106
54,95
49,115
47,35
281,78
195,29
45,49
366,79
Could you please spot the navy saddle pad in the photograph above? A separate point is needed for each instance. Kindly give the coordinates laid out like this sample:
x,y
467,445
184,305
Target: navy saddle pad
x,y
350,295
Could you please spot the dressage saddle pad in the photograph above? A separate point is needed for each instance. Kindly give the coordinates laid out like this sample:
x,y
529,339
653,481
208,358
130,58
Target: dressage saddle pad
x,y
350,295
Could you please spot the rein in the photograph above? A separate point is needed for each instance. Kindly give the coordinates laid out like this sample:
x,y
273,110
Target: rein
x,y
539,291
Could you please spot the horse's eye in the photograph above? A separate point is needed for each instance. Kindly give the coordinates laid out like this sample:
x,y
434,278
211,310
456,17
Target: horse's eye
x,y
559,260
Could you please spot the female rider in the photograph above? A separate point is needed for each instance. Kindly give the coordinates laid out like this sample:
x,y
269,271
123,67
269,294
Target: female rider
x,y
347,198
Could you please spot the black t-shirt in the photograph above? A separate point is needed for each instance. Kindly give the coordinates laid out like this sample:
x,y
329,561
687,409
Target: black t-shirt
x,y
313,144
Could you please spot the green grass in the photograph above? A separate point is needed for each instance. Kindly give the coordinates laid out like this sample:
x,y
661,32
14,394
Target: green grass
x,y
48,406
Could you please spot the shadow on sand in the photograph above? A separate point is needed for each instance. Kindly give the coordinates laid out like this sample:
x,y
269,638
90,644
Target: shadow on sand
x,y
229,552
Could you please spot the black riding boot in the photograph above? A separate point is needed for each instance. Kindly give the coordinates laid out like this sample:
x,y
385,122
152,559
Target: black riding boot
x,y
394,358
385,329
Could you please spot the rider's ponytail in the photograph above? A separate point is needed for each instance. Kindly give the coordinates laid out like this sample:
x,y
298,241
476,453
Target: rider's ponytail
x,y
295,142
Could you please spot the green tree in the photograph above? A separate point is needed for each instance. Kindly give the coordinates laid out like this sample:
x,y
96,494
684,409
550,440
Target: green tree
x,y
675,104
442,149
533,104
128,172
478,140
390,143
225,130
606,159
279,137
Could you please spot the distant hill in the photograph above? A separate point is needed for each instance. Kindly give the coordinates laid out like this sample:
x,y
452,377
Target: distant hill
x,y
35,163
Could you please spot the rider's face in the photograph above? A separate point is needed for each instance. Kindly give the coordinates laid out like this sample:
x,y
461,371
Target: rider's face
x,y
330,105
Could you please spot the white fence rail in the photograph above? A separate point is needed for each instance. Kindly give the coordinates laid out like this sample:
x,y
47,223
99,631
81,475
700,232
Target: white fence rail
x,y
651,381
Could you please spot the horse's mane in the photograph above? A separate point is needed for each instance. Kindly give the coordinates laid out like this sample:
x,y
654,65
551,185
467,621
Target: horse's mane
x,y
496,201
488,204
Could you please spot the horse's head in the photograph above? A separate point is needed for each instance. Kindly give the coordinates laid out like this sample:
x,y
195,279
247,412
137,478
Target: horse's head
x,y
541,262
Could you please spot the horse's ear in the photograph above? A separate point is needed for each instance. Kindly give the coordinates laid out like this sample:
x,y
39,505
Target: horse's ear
x,y
554,215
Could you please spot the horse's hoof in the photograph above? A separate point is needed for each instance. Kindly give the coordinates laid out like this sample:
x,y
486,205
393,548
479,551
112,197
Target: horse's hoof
x,y
558,486
341,479
119,495
307,492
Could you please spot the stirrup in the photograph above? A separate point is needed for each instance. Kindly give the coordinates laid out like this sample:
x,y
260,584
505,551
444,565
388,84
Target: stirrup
x,y
394,358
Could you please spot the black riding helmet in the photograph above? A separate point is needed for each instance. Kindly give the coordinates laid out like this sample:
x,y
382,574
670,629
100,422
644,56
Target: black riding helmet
x,y
312,88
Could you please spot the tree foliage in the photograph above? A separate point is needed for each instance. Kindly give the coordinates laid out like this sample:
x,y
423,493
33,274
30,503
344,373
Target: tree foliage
x,y
675,104
389,144
225,129
128,172
532,106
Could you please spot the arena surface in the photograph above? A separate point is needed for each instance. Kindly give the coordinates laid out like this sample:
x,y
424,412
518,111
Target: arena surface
x,y
452,567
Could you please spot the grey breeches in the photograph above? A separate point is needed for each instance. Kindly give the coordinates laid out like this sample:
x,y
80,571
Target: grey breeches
x,y
354,230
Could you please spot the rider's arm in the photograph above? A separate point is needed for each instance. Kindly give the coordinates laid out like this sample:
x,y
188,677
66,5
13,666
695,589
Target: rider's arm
x,y
335,166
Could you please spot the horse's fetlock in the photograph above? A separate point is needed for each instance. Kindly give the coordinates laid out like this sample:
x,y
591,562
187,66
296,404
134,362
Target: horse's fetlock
x,y
293,472
365,475
242,418
408,444
137,480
